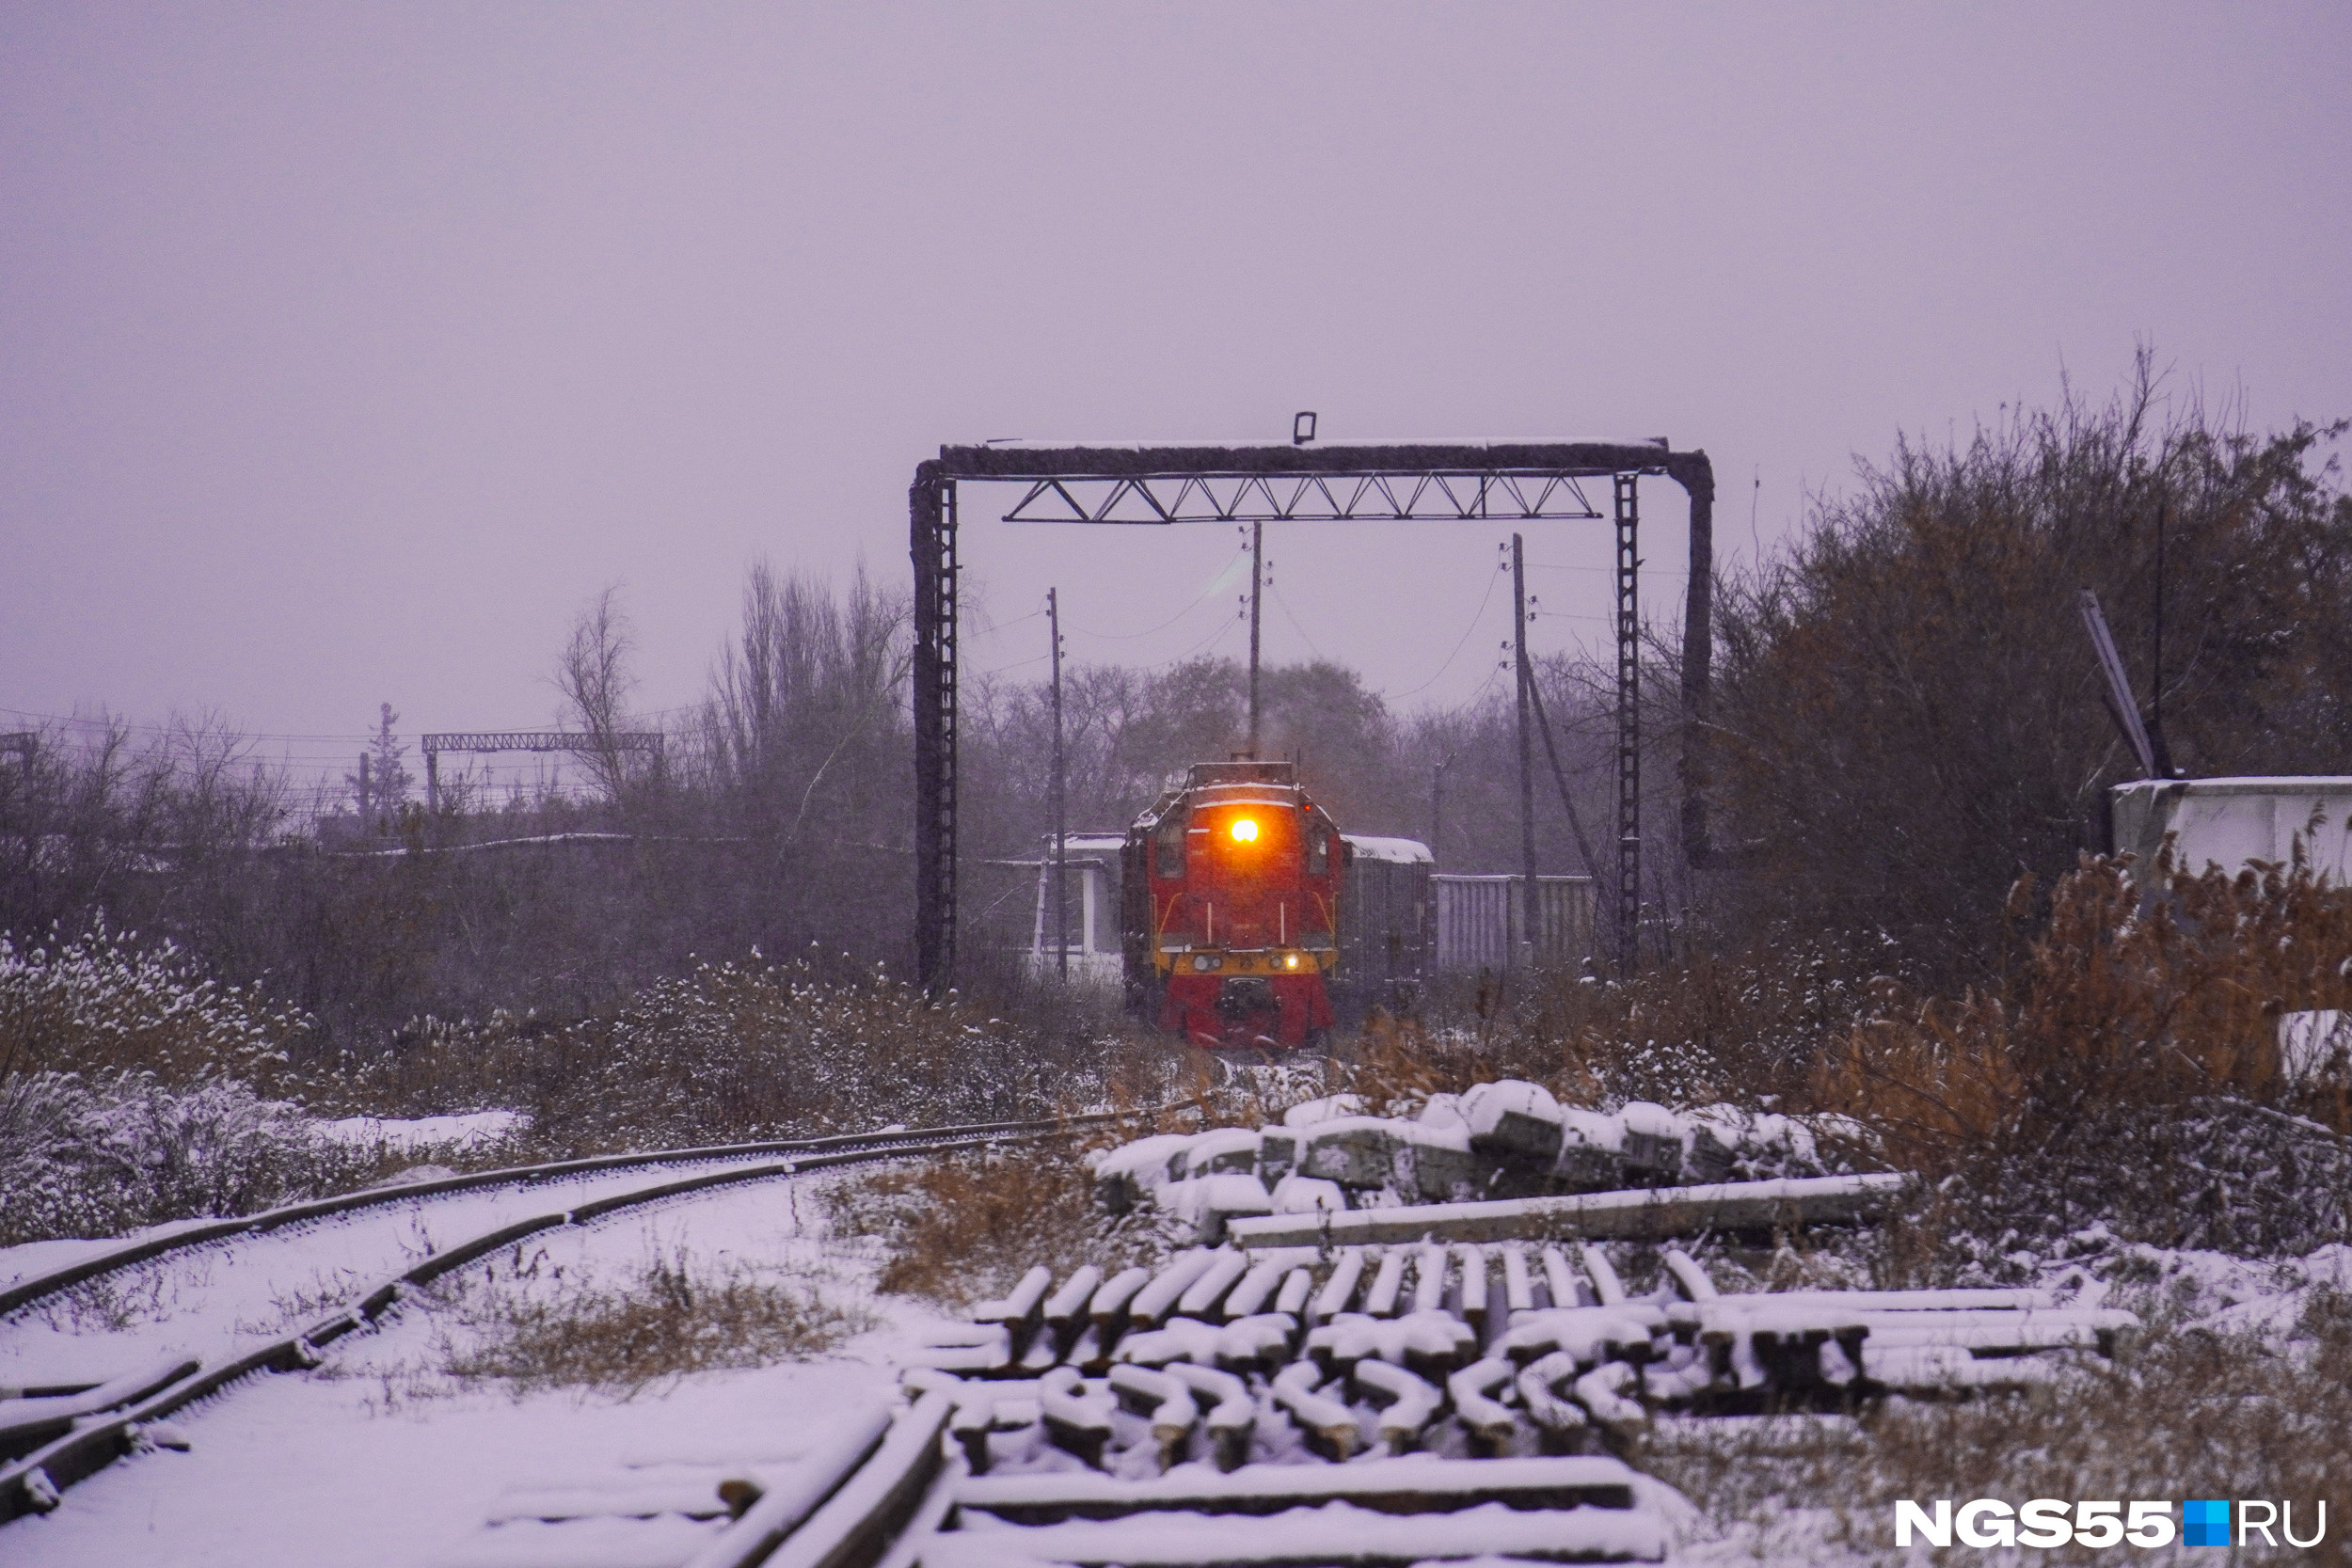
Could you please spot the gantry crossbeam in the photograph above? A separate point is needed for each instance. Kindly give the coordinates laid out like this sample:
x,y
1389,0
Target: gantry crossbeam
x,y
542,740
1432,495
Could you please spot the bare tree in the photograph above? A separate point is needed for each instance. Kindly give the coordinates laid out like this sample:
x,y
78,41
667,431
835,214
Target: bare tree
x,y
593,675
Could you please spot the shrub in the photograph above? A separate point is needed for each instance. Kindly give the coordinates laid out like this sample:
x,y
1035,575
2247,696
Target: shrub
x,y
664,1318
967,1229
104,1155
101,1003
2127,1070
743,1051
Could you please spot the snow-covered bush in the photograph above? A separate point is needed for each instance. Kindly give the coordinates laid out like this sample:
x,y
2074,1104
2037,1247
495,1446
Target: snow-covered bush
x,y
732,1053
2128,1071
967,1228
103,1002
133,1091
100,1155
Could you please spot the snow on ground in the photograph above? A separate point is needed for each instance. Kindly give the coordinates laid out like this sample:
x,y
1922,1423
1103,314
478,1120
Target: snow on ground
x,y
297,1469
252,1287
470,1131
32,1257
378,1459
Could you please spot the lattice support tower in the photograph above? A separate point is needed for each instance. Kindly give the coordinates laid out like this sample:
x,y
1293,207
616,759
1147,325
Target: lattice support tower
x,y
1628,627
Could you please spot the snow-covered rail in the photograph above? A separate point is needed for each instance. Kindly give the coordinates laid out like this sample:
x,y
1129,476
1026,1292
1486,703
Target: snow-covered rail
x,y
116,1418
34,1288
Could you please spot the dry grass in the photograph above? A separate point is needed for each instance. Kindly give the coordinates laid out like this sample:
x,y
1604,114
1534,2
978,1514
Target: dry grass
x,y
2182,1414
967,1229
737,1052
664,1319
2174,1004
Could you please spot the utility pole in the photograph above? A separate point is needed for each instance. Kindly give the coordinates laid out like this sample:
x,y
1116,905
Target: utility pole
x,y
1061,801
1437,806
1257,584
367,810
1527,754
2156,679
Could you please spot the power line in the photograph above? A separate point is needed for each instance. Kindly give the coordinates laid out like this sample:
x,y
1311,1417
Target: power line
x,y
91,724
1293,620
1476,616
1216,585
1647,571
1216,635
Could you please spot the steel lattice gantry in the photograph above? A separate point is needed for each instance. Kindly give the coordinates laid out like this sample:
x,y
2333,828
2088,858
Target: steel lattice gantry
x,y
576,742
1452,482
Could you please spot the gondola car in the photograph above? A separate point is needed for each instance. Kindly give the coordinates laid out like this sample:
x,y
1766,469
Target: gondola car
x,y
1235,893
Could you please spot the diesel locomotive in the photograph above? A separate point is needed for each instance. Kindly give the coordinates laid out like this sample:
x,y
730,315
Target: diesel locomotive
x,y
1240,900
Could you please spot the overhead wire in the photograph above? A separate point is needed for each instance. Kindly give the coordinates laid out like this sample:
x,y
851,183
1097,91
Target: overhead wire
x,y
1460,643
1285,604
1222,630
1216,585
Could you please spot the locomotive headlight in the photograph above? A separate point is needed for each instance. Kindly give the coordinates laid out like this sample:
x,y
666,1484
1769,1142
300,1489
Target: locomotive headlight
x,y
1245,830
1290,962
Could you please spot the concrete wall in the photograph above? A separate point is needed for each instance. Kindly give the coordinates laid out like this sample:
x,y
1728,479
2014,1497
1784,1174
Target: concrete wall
x,y
2231,821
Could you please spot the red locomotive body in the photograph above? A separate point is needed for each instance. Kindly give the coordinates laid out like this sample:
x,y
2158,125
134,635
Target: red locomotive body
x,y
1232,889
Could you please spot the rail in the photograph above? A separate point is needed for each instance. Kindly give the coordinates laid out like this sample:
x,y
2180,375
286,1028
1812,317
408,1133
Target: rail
x,y
34,1482
35,1287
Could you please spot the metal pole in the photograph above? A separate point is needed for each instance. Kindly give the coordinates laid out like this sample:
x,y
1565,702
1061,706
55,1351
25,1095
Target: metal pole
x,y
2155,680
1527,754
1061,801
1628,724
431,783
1257,579
932,540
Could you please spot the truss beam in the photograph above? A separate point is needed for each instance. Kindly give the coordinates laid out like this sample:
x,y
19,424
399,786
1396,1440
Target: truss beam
x,y
1427,495
541,740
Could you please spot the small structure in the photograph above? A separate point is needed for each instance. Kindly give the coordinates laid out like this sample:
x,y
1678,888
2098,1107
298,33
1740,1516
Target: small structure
x,y
2227,822
1091,940
1482,922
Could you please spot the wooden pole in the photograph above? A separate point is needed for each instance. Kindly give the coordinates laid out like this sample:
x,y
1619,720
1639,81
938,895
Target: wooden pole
x,y
1257,582
1061,801
1527,752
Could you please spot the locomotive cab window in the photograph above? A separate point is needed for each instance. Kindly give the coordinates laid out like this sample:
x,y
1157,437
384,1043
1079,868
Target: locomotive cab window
x,y
1169,848
1318,851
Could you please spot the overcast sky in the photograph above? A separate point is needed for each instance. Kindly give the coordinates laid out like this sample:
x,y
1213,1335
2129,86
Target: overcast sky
x,y
347,350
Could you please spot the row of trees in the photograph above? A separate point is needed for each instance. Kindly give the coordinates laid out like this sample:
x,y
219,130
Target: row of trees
x,y
1907,715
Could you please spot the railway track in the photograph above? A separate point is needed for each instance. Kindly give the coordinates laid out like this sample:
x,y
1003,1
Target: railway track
x,y
53,1438
34,1288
